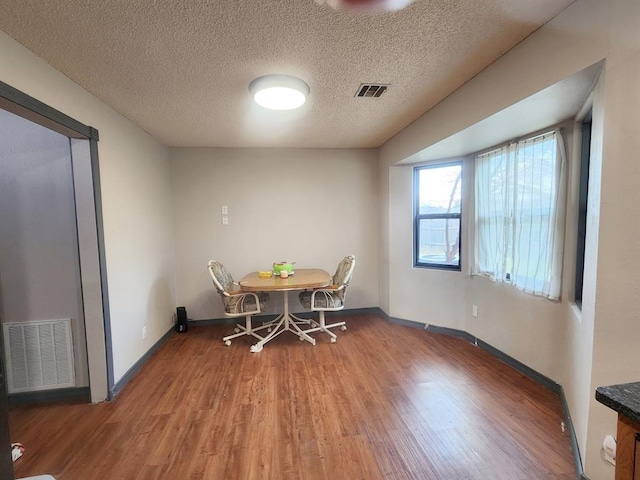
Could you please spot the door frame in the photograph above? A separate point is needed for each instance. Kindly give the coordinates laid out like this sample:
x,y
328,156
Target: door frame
x,y
87,191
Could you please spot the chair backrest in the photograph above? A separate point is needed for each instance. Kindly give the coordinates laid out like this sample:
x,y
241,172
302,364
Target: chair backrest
x,y
221,277
343,274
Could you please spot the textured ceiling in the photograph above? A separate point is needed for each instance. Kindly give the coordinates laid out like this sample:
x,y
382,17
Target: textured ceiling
x,y
180,68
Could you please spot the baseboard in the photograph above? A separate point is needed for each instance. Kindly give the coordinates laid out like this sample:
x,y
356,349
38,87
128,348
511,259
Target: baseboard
x,y
406,323
269,317
515,364
451,332
138,365
224,321
577,458
521,367
63,395
356,311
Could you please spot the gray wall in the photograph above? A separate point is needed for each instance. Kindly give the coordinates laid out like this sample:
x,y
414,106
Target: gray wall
x,y
39,265
136,207
311,206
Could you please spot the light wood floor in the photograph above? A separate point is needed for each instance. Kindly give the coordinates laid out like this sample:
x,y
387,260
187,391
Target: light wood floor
x,y
384,402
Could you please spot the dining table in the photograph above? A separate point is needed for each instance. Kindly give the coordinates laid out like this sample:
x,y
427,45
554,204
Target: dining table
x,y
300,279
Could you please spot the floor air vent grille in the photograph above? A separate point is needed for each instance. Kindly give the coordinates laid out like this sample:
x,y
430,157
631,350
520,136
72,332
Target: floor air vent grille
x,y
39,355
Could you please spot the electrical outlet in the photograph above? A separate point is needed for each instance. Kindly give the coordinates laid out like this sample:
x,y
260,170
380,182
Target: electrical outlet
x,y
144,332
474,311
225,220
225,210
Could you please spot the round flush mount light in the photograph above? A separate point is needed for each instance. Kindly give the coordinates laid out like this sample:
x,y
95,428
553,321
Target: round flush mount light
x,y
367,5
279,92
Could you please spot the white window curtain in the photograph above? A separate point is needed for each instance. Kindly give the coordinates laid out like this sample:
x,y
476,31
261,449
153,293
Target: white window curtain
x,y
520,198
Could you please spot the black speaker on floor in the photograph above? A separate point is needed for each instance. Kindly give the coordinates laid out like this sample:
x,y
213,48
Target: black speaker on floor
x,y
181,323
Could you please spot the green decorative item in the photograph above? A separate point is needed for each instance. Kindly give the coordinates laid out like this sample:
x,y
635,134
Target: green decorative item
x,y
288,266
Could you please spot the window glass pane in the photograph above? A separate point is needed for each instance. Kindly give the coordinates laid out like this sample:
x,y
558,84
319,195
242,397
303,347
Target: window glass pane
x,y
531,254
518,214
535,191
492,213
535,176
439,241
440,190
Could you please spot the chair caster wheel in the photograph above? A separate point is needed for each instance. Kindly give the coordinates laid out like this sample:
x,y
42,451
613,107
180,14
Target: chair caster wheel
x,y
256,348
227,342
333,340
237,330
343,328
300,338
269,329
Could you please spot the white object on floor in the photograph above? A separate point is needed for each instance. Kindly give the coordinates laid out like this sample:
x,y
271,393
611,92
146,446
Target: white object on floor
x,y
16,451
39,477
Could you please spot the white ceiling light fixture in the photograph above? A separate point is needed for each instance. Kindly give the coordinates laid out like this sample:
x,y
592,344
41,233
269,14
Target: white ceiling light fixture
x,y
279,92
367,5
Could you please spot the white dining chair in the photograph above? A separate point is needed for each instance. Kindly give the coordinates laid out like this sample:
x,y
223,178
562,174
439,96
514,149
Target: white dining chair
x,y
330,298
237,303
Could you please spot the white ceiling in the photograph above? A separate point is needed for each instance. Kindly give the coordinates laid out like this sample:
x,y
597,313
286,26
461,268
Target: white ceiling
x,y
180,68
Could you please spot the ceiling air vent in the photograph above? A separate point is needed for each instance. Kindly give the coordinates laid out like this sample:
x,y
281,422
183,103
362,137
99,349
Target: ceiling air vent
x,y
371,90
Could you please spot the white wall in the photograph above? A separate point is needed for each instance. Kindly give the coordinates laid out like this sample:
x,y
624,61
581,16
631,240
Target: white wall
x,y
581,350
412,291
134,175
39,263
616,356
309,206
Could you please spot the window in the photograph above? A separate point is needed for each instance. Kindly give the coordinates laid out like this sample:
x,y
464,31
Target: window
x,y
520,214
437,215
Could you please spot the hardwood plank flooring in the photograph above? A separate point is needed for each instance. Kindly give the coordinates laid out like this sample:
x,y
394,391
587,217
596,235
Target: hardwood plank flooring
x,y
384,402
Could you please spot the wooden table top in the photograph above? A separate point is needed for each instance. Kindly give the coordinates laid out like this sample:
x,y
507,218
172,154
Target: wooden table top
x,y
301,279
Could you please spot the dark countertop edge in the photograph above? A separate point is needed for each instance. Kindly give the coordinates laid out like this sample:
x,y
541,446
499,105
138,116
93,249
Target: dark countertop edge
x,y
620,400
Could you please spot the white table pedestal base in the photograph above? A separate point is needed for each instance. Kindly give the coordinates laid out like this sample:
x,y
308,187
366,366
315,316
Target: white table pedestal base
x,y
286,322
